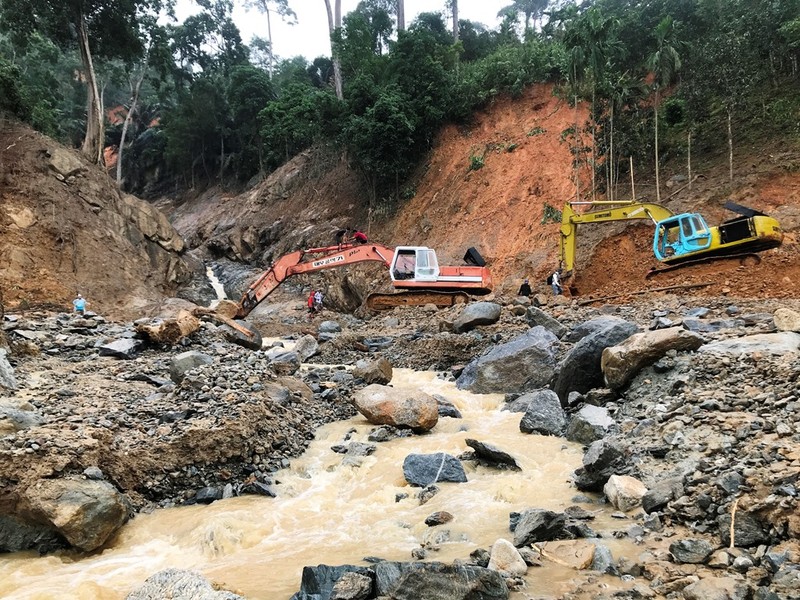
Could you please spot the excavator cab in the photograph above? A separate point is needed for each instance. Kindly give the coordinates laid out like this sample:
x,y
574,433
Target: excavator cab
x,y
414,263
681,235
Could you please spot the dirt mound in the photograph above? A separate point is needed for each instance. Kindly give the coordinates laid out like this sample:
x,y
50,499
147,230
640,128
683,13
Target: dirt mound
x,y
66,228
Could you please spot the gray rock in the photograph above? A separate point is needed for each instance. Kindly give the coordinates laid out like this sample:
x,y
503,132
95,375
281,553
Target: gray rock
x,y
17,535
661,493
748,530
251,340
125,348
476,314
373,371
603,559
352,586
580,370
330,327
544,414
601,460
85,512
7,379
699,313
718,588
93,473
285,363
186,361
526,362
318,582
702,326
14,419
536,316
492,454
772,343
692,551
424,469
589,424
438,581
539,525
179,584
306,347
580,331
207,495
446,408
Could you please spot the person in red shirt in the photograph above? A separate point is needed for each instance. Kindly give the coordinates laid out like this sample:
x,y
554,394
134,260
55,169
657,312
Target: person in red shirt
x,y
310,302
359,237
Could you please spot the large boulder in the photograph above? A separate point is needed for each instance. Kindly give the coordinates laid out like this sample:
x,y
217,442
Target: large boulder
x,y
85,512
319,582
525,363
422,470
621,363
600,461
7,379
179,584
17,416
787,319
536,316
438,581
306,347
784,342
125,348
492,454
252,339
17,535
544,414
383,405
580,370
476,314
624,492
504,557
286,362
539,525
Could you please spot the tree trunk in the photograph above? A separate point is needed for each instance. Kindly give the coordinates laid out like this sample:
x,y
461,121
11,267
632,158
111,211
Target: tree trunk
x,y
689,158
658,186
401,15
128,118
455,21
269,36
334,22
594,143
730,144
94,140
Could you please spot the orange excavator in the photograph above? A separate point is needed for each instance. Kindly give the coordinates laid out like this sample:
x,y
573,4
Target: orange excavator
x,y
414,270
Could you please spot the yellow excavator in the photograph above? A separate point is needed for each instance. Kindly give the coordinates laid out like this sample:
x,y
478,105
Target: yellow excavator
x,y
678,239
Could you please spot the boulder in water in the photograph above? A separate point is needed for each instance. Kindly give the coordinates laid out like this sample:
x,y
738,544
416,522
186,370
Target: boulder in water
x,y
383,405
179,583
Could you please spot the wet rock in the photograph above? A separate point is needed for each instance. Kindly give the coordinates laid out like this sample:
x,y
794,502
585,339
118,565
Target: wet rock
x,y
787,319
179,583
447,408
580,370
544,414
524,363
492,454
306,347
124,348
476,314
535,316
772,343
692,551
589,424
717,588
17,535
185,361
603,559
382,405
601,460
438,518
539,525
662,493
374,371
504,557
85,512
622,362
352,586
328,330
438,581
422,470
318,582
207,495
624,492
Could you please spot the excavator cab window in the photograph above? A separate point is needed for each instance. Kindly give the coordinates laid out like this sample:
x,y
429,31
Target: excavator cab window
x,y
427,265
404,264
681,235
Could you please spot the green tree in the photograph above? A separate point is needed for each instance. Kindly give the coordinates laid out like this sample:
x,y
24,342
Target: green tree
x,y
103,28
279,7
664,63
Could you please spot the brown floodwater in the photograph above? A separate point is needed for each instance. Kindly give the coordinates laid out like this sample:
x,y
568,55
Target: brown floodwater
x,y
327,512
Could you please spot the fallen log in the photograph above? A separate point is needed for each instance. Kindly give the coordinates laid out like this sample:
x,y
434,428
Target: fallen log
x,y
215,316
684,286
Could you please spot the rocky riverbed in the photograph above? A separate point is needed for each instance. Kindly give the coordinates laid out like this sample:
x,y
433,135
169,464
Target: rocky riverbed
x,y
687,409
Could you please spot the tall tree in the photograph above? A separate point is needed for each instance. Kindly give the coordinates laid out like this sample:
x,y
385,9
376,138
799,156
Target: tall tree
x,y
664,64
335,23
104,28
401,15
280,8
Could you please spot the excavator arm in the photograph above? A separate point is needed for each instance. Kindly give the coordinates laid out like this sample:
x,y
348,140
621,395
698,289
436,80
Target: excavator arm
x,y
309,261
570,221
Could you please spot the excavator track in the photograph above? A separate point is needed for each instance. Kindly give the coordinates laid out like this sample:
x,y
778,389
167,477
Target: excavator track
x,y
745,258
421,298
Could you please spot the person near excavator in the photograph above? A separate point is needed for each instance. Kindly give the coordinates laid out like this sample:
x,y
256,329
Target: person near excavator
x,y
524,289
310,302
79,304
556,282
318,301
359,237
341,235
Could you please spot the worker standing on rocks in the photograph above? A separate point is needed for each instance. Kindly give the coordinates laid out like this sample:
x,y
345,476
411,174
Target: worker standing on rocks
x,y
556,282
80,304
524,289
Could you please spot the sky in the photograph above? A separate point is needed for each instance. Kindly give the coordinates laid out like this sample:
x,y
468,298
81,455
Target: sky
x,y
309,37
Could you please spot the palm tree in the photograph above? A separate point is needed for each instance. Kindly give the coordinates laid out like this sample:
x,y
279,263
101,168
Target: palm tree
x,y
665,64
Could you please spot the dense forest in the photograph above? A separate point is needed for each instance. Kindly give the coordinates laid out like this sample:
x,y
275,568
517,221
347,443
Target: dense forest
x,y
191,104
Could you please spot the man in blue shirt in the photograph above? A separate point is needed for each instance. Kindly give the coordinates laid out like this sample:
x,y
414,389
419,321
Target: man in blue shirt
x,y
80,304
